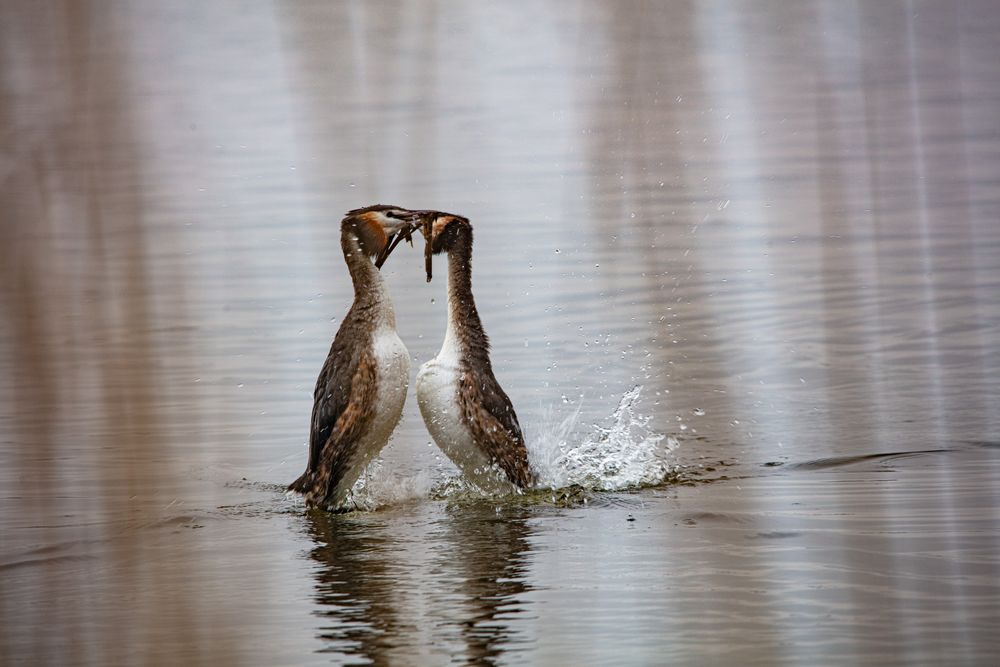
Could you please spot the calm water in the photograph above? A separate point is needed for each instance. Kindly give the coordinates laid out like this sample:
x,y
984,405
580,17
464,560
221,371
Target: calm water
x,y
781,221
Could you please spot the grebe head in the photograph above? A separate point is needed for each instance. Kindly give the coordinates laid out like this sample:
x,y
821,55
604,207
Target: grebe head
x,y
380,228
440,230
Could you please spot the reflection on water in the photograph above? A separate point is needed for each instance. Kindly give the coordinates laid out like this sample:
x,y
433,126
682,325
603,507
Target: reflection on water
x,y
356,585
372,584
780,221
485,556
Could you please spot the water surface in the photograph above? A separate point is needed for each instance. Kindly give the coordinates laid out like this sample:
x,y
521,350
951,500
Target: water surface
x,y
780,221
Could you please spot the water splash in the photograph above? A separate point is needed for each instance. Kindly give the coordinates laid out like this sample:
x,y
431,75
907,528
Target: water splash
x,y
377,488
623,454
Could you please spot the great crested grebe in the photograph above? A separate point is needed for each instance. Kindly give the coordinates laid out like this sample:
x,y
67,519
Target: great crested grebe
x,y
360,391
467,413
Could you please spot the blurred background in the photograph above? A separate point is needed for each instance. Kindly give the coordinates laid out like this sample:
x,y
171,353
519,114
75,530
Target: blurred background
x,y
782,221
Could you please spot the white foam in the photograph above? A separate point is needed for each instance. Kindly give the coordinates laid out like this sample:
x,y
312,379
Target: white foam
x,y
377,488
625,453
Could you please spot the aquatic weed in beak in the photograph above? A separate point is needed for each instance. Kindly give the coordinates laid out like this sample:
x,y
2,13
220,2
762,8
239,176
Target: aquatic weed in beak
x,y
428,245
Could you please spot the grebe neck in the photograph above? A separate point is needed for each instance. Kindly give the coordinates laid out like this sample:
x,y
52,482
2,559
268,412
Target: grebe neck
x,y
370,293
465,335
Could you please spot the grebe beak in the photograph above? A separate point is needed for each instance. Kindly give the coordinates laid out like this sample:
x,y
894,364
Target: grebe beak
x,y
404,234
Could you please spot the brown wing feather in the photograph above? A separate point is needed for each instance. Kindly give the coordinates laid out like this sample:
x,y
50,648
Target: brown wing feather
x,y
340,394
333,386
356,418
490,416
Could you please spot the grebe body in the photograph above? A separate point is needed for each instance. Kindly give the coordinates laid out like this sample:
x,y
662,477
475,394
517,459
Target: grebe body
x,y
361,389
463,406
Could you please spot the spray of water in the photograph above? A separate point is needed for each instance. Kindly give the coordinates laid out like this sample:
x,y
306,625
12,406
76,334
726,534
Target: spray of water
x,y
623,453
377,487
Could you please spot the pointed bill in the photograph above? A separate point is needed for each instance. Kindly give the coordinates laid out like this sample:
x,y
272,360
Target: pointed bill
x,y
404,234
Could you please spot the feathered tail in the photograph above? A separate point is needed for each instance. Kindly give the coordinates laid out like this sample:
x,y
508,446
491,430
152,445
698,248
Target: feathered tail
x,y
304,484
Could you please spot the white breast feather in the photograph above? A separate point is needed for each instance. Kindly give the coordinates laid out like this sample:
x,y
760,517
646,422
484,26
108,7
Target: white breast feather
x,y
437,395
393,375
